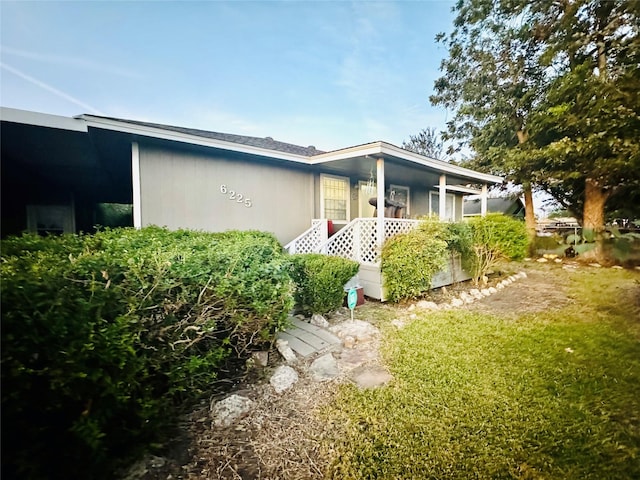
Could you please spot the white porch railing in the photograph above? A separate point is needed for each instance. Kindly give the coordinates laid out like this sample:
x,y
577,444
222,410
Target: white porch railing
x,y
310,240
356,240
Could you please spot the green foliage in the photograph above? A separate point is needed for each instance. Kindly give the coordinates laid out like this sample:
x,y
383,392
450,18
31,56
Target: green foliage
x,y
320,281
427,142
410,260
104,336
479,396
495,237
545,93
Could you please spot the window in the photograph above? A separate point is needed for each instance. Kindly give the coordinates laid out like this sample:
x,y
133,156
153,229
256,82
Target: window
x,y
398,193
434,205
334,198
50,219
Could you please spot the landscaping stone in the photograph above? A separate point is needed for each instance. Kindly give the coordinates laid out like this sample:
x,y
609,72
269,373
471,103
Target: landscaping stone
x,y
349,342
283,378
360,330
426,305
260,358
456,302
319,321
399,324
285,350
596,265
493,290
542,260
227,411
350,359
370,377
485,292
466,298
500,286
411,308
324,368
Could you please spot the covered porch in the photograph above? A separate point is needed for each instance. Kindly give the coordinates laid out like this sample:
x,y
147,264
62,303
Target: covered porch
x,y
434,187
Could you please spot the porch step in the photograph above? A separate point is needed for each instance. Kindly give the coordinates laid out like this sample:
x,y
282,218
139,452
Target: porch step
x,y
306,339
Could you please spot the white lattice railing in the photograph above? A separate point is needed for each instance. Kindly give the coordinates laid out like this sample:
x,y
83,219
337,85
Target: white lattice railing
x,y
358,239
310,240
394,226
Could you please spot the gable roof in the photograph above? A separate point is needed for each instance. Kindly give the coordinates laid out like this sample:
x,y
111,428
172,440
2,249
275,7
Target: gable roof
x,y
354,160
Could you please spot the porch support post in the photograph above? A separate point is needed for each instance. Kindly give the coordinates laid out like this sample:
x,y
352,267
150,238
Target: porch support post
x,y
483,200
135,175
380,202
442,195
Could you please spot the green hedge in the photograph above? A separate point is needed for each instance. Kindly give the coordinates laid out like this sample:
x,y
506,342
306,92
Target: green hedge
x,y
104,336
320,281
410,260
495,237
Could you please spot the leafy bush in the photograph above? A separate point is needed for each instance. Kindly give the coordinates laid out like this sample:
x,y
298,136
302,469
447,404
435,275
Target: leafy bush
x,y
320,281
410,260
103,336
495,237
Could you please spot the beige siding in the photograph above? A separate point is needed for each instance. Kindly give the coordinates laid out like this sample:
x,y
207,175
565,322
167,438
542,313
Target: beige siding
x,y
184,190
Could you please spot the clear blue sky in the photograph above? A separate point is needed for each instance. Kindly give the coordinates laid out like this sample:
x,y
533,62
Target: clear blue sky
x,y
329,74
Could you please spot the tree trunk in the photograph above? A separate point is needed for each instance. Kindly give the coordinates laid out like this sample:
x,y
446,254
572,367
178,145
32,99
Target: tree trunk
x,y
595,197
529,209
529,213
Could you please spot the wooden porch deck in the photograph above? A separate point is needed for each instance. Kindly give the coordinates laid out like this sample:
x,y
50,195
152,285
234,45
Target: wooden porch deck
x,y
306,339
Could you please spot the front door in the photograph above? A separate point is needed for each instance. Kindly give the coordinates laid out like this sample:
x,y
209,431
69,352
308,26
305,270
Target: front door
x,y
365,192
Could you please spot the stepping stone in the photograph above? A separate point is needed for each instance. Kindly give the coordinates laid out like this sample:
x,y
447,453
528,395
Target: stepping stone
x,y
324,368
370,377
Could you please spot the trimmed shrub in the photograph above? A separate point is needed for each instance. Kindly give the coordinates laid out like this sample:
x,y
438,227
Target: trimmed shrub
x,y
495,237
410,260
320,281
104,336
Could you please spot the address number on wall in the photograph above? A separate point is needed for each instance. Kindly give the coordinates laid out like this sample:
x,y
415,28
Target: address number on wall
x,y
235,196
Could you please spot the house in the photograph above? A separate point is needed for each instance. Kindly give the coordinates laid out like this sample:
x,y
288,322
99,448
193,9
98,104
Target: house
x,y
58,171
512,206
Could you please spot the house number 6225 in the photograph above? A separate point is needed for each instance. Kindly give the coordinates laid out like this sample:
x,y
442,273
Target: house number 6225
x,y
235,196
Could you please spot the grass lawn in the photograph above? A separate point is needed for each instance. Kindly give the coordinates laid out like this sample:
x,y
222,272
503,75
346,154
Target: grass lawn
x,y
548,395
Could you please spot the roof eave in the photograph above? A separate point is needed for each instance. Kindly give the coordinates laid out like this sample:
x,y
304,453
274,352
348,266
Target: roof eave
x,y
384,148
124,127
38,119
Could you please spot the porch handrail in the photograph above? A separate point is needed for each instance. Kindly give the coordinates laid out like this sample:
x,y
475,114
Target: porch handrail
x,y
310,240
357,240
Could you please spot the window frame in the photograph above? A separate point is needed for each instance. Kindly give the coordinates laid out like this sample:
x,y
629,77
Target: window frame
x,y
453,204
347,197
407,209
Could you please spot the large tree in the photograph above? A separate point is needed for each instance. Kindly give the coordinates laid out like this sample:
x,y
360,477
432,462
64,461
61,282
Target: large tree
x,y
587,125
492,80
547,92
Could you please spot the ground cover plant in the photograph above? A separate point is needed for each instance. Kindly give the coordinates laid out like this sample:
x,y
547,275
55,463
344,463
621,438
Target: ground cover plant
x,y
538,393
104,336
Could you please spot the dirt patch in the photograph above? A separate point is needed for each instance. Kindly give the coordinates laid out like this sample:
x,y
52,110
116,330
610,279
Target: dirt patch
x,y
540,291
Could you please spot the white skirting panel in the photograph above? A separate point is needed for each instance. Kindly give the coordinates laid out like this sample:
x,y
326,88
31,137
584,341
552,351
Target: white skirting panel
x,y
372,282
